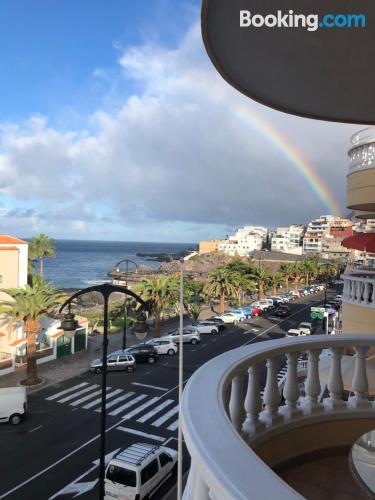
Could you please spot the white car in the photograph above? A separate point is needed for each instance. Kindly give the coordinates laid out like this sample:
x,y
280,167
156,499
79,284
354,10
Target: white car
x,y
264,304
190,335
295,332
306,327
231,317
13,404
206,327
138,471
163,346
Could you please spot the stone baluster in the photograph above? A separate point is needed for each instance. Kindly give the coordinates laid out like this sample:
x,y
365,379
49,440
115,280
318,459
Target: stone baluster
x,y
253,404
345,289
271,397
373,294
236,403
226,398
201,490
359,292
352,290
366,293
335,383
312,384
360,382
291,389
190,484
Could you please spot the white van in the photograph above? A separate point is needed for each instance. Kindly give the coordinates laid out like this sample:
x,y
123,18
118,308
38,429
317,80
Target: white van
x,y
264,304
295,332
13,404
138,471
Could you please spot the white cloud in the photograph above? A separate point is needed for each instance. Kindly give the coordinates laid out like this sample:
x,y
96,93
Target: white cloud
x,y
175,154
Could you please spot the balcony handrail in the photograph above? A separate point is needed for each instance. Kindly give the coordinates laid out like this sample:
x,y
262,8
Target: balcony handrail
x,y
224,467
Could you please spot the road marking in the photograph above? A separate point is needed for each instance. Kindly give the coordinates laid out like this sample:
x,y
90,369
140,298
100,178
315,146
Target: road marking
x,y
151,386
165,417
139,433
117,400
81,488
174,425
86,398
140,408
99,400
156,410
36,428
128,404
55,396
78,393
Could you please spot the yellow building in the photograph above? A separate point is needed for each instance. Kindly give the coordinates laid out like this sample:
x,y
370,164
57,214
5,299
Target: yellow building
x,y
358,310
209,246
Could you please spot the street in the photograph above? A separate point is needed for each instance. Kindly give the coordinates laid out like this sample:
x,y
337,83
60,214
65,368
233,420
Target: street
x,y
54,452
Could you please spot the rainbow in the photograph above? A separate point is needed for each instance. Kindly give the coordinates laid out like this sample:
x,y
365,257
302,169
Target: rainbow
x,y
250,118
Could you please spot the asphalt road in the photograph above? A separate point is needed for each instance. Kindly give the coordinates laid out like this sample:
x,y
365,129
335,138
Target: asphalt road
x,y
54,452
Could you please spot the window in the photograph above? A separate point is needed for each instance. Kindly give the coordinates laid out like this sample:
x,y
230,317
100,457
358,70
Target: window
x,y
164,459
112,361
121,476
149,471
123,358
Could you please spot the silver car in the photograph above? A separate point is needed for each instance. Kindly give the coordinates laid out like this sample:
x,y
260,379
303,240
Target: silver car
x,y
116,361
190,334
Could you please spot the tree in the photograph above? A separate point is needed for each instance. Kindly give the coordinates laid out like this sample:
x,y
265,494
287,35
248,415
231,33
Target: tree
x,y
40,247
220,283
287,271
193,297
262,276
161,293
297,275
29,304
274,281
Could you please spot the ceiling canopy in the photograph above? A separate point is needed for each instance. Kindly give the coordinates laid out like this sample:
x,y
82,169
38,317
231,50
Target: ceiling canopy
x,y
309,58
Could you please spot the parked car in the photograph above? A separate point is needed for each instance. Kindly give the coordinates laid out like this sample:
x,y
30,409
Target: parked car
x,y
190,335
163,346
247,312
138,471
13,404
307,327
217,322
117,361
295,332
257,311
204,326
263,304
282,311
231,317
143,353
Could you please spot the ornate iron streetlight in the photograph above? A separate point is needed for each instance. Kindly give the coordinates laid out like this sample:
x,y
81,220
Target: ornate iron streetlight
x,y
68,324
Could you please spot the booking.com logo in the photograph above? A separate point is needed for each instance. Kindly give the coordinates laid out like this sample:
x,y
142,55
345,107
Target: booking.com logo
x,y
310,22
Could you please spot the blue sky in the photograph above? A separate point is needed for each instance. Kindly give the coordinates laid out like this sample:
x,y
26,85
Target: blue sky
x,y
114,125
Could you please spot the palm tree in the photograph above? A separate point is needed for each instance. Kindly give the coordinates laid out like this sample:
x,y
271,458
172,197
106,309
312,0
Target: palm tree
x,y
287,273
29,304
274,281
297,275
40,247
221,283
262,276
161,293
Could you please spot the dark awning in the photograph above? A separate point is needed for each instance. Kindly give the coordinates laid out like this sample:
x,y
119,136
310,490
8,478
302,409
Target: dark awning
x,y
326,73
364,242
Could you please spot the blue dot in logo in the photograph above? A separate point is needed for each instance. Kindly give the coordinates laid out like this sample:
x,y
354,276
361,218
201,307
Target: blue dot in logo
x,y
321,25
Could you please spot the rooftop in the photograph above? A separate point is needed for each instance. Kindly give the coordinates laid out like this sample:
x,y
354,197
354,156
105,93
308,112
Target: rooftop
x,y
5,239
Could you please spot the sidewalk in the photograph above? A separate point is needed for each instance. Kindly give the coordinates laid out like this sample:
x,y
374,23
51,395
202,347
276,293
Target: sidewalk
x,y
71,366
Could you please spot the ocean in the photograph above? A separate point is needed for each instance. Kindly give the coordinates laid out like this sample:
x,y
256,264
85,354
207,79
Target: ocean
x,y
79,264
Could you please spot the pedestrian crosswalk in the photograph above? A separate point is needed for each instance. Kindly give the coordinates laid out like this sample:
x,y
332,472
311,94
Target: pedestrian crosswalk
x,y
126,405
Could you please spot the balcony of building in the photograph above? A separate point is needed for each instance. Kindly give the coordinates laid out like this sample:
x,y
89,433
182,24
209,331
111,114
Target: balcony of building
x,y
361,176
249,441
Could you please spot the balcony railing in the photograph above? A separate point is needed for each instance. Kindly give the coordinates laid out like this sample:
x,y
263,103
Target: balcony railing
x,y
359,289
225,412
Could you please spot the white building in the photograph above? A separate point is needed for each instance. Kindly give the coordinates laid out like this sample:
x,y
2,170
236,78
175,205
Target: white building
x,y
245,241
13,262
288,239
318,229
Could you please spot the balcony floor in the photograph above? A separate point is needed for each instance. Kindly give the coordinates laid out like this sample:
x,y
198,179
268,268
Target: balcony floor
x,y
326,478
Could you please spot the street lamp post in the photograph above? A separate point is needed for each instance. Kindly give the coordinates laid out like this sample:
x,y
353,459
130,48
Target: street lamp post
x,y
69,325
180,381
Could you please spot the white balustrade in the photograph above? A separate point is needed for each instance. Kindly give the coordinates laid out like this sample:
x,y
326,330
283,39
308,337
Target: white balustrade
x,y
312,384
359,290
223,412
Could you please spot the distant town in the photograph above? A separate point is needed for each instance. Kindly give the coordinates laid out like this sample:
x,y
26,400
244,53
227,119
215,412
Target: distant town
x,y
322,236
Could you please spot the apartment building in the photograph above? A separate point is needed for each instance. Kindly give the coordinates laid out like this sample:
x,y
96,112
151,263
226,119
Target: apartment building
x,y
319,232
245,241
13,262
331,240
288,239
358,311
209,246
